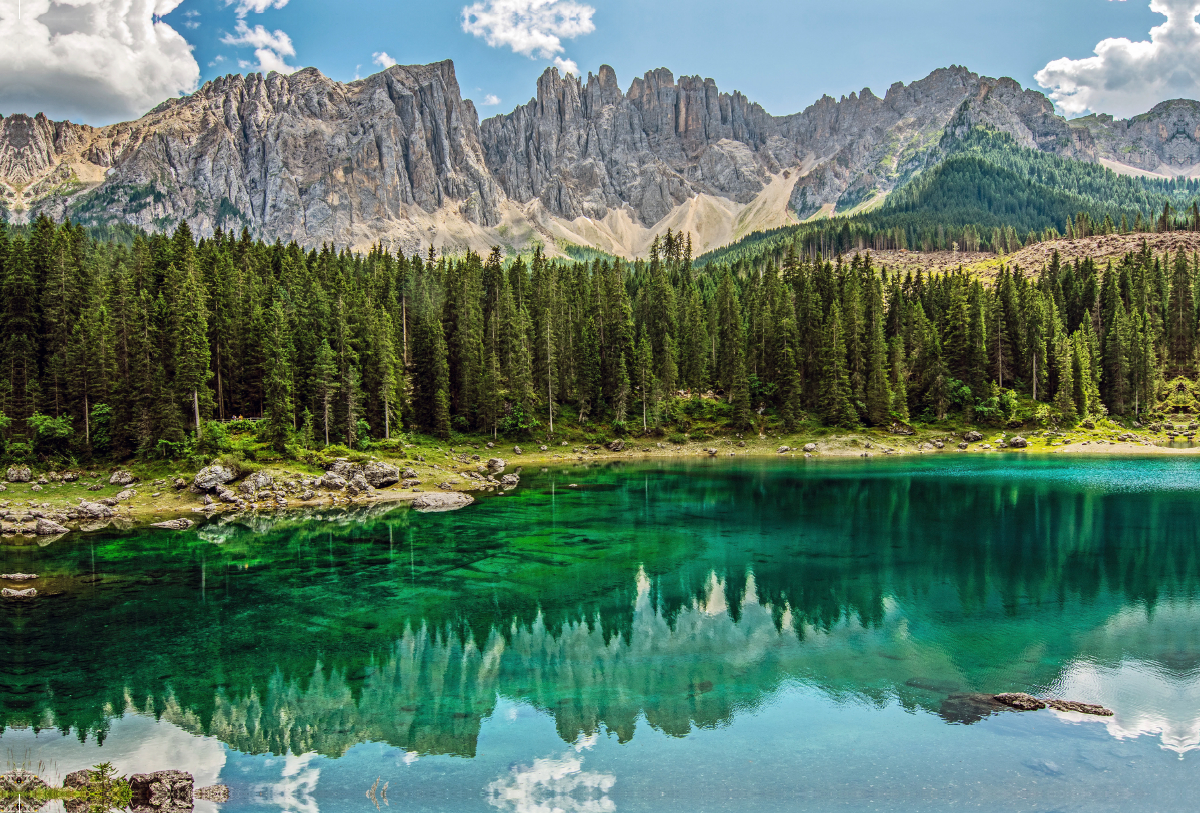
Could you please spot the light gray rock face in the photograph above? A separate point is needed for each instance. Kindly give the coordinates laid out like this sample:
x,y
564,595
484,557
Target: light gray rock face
x,y
305,158
298,157
380,474
210,477
1164,140
47,527
256,482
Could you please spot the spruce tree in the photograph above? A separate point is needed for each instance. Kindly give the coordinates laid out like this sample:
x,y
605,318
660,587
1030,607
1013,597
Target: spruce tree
x,y
278,388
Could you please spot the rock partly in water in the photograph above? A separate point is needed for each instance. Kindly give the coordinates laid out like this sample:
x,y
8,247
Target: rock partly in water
x,y
161,791
442,501
510,480
1020,701
1079,708
94,510
173,524
493,464
48,527
969,707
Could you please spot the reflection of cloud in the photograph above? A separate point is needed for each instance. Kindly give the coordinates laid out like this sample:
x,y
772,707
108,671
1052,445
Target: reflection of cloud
x,y
1148,697
1125,78
553,786
294,791
135,743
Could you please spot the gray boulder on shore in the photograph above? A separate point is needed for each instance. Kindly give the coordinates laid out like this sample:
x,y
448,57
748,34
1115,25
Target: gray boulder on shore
x,y
19,474
380,475
209,477
48,527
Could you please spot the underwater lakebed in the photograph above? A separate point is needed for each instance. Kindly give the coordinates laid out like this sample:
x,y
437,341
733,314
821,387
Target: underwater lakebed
x,y
731,634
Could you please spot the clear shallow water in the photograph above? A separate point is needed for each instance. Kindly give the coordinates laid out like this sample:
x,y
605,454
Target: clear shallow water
x,y
721,635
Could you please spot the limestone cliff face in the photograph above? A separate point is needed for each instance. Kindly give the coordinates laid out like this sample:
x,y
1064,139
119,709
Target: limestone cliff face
x,y
1164,141
400,157
297,157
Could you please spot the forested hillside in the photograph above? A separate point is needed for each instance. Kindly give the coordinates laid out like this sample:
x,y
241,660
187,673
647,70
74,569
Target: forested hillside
x,y
986,193
113,349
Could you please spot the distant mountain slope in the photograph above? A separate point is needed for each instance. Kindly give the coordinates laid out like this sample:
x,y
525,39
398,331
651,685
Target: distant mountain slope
x,y
401,158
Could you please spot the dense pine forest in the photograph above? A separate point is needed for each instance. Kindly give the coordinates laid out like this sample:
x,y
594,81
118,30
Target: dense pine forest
x,y
149,346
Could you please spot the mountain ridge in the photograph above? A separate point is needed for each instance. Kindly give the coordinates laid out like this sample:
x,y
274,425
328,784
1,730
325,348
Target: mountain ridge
x,y
401,158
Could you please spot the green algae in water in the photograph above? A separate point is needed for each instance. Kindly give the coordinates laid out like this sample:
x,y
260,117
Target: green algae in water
x,y
647,625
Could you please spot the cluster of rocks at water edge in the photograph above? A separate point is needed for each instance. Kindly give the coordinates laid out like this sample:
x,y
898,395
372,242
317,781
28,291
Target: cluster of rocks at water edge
x,y
157,792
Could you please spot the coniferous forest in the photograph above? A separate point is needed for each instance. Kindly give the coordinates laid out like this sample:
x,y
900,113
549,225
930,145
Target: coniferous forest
x,y
120,344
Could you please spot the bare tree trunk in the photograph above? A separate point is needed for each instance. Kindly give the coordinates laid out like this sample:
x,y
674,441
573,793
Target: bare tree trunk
x,y
196,408
87,423
387,420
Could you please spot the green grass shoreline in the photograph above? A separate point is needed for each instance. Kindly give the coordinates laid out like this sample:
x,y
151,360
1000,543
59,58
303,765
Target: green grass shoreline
x,y
440,466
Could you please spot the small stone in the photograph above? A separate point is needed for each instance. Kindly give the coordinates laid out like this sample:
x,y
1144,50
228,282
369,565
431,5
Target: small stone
x,y
121,478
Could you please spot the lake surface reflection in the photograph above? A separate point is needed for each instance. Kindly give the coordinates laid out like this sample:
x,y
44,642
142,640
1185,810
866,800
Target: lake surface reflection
x,y
720,635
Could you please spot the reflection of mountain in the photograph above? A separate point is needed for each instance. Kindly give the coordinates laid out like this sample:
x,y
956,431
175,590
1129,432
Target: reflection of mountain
x,y
717,586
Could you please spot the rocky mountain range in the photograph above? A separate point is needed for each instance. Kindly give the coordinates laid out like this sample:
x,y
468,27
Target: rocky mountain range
x,y
401,158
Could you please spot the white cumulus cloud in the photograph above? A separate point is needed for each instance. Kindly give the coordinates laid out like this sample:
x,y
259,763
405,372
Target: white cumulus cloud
x,y
244,7
491,100
270,48
566,65
382,59
96,61
1126,78
529,27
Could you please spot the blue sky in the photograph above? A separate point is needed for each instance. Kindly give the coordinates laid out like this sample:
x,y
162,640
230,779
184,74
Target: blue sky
x,y
784,55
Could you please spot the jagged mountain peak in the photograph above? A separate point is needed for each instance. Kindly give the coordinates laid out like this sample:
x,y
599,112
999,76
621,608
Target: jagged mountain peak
x,y
400,157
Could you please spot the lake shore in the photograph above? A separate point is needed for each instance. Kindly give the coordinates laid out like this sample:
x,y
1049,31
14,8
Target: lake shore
x,y
146,500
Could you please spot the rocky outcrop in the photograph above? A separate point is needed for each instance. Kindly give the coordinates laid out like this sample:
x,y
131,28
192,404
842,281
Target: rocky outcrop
x,y
210,477
380,475
1165,140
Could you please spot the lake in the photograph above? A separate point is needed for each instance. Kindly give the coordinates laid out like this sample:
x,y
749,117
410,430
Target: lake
x,y
710,635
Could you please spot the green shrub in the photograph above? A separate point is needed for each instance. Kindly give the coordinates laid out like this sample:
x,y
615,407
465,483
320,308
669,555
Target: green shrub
x,y
677,438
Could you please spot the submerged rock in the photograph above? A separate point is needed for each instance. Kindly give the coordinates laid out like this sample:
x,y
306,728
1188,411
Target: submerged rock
x,y
212,793
442,501
969,707
173,524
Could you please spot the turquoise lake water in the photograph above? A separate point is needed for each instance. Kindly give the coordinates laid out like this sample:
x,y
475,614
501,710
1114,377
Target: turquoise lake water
x,y
683,636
